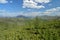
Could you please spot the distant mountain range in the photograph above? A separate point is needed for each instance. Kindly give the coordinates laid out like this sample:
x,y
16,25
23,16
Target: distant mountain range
x,y
50,17
21,16
43,17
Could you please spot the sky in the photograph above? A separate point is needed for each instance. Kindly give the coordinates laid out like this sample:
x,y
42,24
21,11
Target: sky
x,y
29,7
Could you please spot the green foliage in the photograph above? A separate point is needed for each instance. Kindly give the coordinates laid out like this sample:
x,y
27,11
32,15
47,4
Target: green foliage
x,y
29,29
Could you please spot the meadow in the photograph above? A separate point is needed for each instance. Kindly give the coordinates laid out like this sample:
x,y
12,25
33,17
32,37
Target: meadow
x,y
29,29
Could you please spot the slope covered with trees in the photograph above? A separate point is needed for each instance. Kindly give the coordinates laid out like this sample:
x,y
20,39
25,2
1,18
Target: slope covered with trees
x,y
29,29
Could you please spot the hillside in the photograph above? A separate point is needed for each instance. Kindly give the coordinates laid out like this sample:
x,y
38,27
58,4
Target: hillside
x,y
29,29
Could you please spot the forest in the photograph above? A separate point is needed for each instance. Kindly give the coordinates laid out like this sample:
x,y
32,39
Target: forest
x,y
29,29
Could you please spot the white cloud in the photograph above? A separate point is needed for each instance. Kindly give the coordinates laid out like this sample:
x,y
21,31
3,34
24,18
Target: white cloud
x,y
3,1
50,12
54,11
5,13
42,1
2,13
33,14
34,3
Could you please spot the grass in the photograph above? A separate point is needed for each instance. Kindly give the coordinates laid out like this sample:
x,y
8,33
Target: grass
x,y
29,29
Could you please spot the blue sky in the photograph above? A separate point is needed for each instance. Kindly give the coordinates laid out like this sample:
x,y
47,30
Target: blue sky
x,y
29,7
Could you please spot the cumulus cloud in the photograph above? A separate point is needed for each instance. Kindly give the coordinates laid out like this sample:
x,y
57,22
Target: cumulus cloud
x,y
3,1
32,14
54,11
42,1
49,12
34,3
4,13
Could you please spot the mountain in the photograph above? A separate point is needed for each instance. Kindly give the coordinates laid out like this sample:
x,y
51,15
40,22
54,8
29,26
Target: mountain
x,y
50,17
21,16
43,17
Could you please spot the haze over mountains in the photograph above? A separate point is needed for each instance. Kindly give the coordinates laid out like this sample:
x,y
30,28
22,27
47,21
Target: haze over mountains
x,y
42,16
